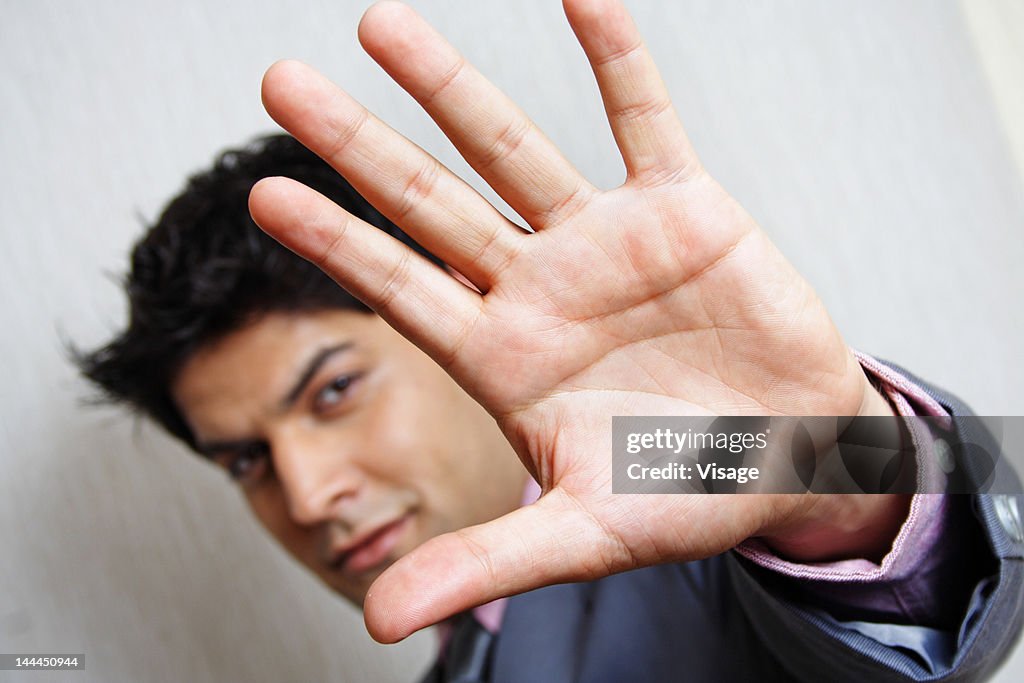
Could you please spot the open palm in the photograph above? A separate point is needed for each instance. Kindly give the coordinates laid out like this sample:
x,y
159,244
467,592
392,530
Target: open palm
x,y
660,297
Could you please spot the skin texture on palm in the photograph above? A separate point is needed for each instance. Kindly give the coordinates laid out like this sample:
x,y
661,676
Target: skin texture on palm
x,y
659,297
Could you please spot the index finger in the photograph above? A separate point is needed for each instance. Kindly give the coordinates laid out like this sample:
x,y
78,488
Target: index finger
x,y
643,120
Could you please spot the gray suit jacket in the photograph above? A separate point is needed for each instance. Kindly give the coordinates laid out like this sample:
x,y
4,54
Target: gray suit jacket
x,y
724,619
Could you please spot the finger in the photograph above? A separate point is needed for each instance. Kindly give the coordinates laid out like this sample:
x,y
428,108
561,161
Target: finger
x,y
551,541
491,132
648,131
417,298
434,206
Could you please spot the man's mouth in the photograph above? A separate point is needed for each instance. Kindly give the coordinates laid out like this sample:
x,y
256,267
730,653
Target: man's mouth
x,y
369,549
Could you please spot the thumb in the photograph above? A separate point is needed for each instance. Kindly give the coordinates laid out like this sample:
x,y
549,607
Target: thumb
x,y
554,540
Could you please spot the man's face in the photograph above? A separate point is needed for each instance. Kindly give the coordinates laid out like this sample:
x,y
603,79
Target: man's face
x,y
351,445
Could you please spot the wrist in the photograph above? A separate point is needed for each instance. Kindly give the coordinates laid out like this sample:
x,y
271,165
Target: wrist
x,y
832,527
828,527
873,403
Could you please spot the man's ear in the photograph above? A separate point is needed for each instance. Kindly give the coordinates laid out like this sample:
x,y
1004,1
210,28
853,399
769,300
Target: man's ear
x,y
461,278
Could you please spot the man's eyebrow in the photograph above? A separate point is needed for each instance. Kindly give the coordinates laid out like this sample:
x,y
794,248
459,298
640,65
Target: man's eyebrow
x,y
312,366
210,449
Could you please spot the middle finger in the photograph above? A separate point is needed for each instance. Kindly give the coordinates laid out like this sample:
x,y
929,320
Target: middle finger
x,y
496,137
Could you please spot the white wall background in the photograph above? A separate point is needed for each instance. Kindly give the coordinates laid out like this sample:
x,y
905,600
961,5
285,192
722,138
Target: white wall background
x,y
872,139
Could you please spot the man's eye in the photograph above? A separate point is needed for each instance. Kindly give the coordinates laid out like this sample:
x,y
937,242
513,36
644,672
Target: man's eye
x,y
333,394
250,464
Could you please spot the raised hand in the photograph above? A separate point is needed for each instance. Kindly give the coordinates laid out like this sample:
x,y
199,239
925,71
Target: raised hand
x,y
659,297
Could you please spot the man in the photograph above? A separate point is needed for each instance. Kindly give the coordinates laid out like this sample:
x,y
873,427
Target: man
x,y
226,323
660,297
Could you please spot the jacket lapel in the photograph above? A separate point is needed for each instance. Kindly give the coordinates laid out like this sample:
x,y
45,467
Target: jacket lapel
x,y
542,635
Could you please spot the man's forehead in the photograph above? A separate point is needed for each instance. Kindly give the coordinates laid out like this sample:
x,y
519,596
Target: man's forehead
x,y
284,336
276,338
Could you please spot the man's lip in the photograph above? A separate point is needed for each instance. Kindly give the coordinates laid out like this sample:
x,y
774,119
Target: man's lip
x,y
369,548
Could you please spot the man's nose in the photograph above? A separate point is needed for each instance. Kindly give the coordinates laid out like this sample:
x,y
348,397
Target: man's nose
x,y
315,475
